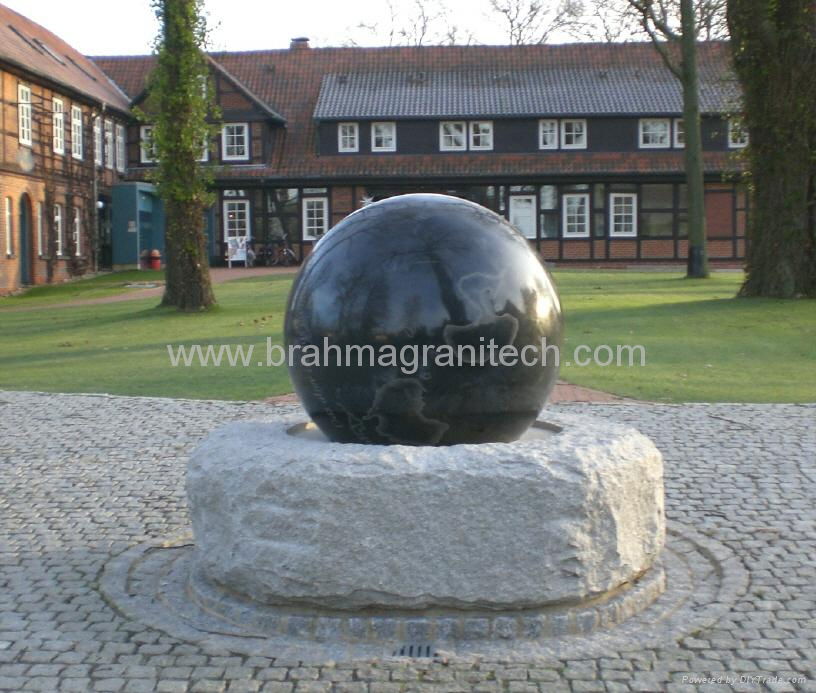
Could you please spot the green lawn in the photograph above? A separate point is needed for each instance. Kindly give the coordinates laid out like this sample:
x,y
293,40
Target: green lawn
x,y
121,348
98,287
701,344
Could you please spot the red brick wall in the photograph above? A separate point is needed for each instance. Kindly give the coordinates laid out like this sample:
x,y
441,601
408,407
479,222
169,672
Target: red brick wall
x,y
719,213
720,249
62,171
622,249
14,187
549,250
657,249
341,203
576,250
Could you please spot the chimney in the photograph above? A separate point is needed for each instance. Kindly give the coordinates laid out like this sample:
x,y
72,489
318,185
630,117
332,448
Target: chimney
x,y
300,43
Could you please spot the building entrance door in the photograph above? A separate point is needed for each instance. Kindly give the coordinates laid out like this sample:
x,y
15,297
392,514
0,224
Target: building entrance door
x,y
25,240
523,214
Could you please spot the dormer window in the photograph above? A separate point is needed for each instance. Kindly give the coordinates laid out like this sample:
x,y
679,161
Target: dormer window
x,y
737,134
679,133
548,134
573,134
452,136
654,133
383,137
481,134
235,142
348,137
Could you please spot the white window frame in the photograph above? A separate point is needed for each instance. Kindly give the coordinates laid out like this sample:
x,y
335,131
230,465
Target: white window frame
x,y
146,153
632,198
97,132
107,131
58,125
474,132
311,235
121,148
449,132
565,218
24,115
735,128
348,137
77,146
77,232
224,146
679,127
205,150
58,227
227,204
40,226
9,226
574,145
390,125
643,126
551,126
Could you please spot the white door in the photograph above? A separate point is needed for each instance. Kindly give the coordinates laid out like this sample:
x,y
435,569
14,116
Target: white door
x,y
522,214
236,230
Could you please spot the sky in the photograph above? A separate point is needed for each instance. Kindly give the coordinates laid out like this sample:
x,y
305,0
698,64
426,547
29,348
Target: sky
x,y
128,27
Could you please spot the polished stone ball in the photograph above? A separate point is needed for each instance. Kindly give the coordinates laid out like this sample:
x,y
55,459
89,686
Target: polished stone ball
x,y
404,320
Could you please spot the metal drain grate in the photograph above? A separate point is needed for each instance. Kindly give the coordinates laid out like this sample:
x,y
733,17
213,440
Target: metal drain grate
x,y
418,650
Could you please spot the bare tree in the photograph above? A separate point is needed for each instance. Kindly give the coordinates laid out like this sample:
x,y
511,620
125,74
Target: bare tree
x,y
711,19
677,45
535,21
423,24
618,20
610,21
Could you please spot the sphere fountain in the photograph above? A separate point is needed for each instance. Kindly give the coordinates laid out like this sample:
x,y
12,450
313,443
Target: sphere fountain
x,y
428,504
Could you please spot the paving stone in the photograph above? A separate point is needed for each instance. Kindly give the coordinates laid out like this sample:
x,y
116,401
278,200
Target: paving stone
x,y
80,486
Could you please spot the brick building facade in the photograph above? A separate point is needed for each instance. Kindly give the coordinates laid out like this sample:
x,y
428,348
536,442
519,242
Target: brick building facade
x,y
62,123
579,145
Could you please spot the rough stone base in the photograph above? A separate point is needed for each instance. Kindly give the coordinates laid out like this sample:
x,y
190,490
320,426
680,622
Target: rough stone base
x,y
556,519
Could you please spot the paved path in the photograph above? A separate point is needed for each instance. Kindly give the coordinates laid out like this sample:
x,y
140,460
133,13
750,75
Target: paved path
x,y
83,478
218,275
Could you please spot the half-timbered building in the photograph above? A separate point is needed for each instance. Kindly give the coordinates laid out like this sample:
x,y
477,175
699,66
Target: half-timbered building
x,y
579,145
63,126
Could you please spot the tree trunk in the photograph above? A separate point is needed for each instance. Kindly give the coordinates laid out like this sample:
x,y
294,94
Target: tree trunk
x,y
775,59
187,273
697,255
182,125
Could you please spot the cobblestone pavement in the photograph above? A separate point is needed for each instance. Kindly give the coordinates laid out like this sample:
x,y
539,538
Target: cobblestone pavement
x,y
85,477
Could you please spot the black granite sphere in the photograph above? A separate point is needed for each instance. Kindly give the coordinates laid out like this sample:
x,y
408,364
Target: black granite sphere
x,y
404,320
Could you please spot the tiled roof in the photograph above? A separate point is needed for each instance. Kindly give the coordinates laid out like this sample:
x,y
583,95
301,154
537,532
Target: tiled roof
x,y
544,167
36,50
546,90
290,82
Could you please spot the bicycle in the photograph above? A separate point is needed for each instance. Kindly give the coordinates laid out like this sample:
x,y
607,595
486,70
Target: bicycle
x,y
278,254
